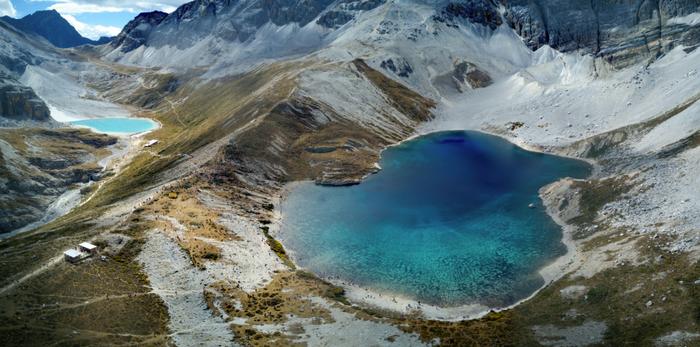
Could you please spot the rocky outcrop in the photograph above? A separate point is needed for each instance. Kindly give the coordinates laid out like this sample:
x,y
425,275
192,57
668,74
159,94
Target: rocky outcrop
x,y
137,30
345,11
401,68
468,75
483,12
31,180
623,32
335,19
18,102
463,77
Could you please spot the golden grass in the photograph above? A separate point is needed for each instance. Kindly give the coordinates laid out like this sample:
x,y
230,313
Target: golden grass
x,y
92,303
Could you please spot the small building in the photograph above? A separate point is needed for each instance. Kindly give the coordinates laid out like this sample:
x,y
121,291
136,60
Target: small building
x,y
88,248
151,143
72,255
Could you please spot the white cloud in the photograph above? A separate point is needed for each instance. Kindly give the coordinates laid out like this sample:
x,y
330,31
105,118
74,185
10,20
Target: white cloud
x,y
96,6
93,32
6,8
72,8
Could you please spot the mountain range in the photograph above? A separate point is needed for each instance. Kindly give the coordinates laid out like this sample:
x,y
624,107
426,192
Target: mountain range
x,y
53,27
251,96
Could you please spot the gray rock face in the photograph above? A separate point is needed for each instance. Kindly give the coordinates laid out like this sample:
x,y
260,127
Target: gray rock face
x,y
401,68
230,20
18,50
482,12
468,75
15,55
345,11
137,30
335,19
465,76
621,31
19,102
234,20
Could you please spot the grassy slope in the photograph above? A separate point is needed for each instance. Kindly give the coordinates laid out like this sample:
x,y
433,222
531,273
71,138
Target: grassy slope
x,y
53,160
256,103
217,110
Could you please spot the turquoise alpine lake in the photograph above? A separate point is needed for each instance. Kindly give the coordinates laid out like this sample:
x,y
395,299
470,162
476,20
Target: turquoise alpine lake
x,y
118,125
453,218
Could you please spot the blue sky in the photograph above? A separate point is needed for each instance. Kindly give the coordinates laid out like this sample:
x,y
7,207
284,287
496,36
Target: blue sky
x,y
92,18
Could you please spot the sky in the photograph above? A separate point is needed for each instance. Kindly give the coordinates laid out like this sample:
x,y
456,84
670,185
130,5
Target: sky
x,y
92,18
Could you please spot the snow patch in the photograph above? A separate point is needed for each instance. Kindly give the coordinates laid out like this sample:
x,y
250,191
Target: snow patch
x,y
691,19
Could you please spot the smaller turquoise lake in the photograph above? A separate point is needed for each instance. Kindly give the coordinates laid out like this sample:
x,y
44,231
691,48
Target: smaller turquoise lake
x,y
118,125
446,222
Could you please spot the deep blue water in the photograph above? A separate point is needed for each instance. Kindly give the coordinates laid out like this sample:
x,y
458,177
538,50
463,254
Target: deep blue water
x,y
118,125
445,222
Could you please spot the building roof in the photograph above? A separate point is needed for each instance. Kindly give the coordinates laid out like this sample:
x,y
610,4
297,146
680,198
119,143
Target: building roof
x,y
88,245
72,253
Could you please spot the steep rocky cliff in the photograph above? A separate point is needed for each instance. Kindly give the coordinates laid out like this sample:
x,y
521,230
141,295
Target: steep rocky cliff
x,y
621,31
18,50
18,102
137,31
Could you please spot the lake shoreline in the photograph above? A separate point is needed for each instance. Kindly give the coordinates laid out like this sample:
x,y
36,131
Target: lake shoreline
x,y
155,125
397,303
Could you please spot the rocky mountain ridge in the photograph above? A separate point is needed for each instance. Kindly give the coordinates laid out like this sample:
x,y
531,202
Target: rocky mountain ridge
x,y
622,33
193,217
53,27
614,30
17,51
137,30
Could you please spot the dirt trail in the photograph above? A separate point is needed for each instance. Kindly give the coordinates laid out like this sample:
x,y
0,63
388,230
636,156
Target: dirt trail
x,y
51,263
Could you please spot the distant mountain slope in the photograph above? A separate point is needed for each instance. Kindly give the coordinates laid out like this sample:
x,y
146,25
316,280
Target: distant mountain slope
x,y
17,51
53,27
206,32
137,30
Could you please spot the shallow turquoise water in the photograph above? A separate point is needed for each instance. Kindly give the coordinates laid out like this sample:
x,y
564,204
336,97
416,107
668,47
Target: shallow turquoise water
x,y
446,222
118,125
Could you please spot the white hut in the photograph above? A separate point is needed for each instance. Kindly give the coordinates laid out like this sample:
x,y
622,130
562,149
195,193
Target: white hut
x,y
88,248
72,255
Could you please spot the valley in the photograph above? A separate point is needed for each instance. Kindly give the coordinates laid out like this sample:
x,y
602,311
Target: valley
x,y
190,225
